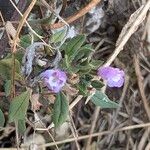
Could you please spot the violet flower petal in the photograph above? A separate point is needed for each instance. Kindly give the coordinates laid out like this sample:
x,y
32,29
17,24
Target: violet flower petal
x,y
113,76
54,79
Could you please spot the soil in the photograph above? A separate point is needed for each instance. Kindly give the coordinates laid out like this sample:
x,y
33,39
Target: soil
x,y
132,112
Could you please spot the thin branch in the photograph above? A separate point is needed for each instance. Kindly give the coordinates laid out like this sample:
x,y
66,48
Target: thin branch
x,y
74,132
15,42
17,134
36,34
46,129
140,84
72,18
126,37
95,117
98,134
23,20
125,88
75,101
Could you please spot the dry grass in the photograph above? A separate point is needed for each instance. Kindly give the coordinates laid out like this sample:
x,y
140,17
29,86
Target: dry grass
x,y
129,124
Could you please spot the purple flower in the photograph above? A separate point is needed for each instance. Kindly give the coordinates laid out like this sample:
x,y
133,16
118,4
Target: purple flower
x,y
54,79
113,76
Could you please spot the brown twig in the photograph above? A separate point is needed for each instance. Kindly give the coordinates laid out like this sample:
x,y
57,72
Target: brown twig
x,y
95,117
76,16
98,134
144,139
125,88
118,49
140,84
31,29
14,49
129,33
23,20
63,7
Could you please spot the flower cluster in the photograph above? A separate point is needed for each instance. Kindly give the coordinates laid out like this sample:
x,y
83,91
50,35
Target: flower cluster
x,y
54,79
113,76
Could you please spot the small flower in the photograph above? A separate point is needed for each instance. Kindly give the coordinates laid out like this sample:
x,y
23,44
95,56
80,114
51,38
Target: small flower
x,y
113,76
54,79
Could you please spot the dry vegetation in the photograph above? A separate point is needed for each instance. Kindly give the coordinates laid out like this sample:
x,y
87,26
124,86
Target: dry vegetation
x,y
122,40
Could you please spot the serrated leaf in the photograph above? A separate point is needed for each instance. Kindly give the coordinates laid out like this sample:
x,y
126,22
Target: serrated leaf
x,y
61,110
101,99
2,118
73,46
58,36
7,87
19,106
21,126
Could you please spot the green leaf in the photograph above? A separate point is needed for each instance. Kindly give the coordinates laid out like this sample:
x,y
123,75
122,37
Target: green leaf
x,y
83,84
97,84
19,55
7,87
58,36
61,110
6,67
82,88
88,77
73,46
84,52
101,99
25,40
95,63
84,68
21,126
67,66
19,106
46,20
5,71
2,118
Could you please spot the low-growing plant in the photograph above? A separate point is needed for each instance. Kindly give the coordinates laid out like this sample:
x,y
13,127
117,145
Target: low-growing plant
x,y
63,72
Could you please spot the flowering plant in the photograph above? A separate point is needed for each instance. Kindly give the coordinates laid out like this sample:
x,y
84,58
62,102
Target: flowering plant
x,y
66,72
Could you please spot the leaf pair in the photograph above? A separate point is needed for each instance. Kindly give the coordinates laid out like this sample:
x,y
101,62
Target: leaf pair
x,y
78,57
72,49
